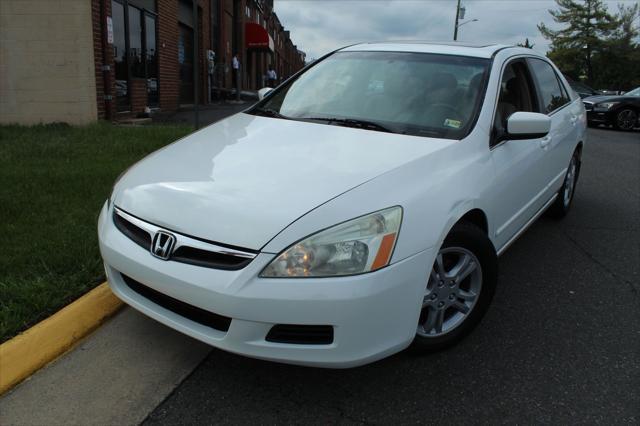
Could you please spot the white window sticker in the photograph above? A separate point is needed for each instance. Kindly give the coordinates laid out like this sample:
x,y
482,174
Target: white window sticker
x,y
454,124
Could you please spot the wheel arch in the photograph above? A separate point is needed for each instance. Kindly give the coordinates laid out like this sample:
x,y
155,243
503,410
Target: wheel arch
x,y
578,149
474,215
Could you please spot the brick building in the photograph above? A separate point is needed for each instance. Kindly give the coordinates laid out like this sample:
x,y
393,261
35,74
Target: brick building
x,y
79,60
149,51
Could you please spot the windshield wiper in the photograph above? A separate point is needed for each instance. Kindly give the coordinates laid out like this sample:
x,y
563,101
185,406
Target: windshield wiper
x,y
268,112
352,122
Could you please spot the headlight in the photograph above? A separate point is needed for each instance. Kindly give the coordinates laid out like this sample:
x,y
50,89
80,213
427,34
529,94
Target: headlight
x,y
359,245
605,105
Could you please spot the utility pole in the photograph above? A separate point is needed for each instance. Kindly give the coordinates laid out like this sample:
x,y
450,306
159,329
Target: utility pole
x,y
196,65
455,30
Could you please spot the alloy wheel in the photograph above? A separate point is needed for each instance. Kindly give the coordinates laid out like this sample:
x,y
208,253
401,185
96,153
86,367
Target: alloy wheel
x,y
626,119
451,293
570,181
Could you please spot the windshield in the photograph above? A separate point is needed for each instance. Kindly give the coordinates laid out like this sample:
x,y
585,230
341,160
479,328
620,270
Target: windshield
x,y
634,92
408,93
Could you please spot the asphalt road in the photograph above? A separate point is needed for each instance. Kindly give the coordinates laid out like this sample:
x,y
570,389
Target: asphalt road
x,y
560,344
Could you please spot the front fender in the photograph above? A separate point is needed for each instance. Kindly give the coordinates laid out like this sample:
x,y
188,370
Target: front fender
x,y
434,192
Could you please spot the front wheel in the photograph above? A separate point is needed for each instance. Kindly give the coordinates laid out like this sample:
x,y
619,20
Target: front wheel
x,y
459,290
626,119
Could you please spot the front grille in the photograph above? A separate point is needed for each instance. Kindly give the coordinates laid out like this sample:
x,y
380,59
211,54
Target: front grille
x,y
135,233
189,250
208,259
193,313
301,334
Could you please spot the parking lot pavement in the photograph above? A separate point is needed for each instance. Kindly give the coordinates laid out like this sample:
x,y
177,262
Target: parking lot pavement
x,y
560,343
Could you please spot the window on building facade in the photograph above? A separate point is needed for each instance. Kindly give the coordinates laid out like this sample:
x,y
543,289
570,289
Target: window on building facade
x,y
135,42
151,56
119,58
134,48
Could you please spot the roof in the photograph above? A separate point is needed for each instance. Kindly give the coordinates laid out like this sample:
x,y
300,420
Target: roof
x,y
448,48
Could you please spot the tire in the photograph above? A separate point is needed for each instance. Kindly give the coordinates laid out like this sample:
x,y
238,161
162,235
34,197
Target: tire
x,y
626,119
562,204
439,301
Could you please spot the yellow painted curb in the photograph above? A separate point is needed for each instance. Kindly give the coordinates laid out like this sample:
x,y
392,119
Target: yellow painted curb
x,y
29,351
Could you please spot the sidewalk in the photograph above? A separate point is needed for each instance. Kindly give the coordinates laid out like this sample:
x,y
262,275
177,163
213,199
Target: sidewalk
x,y
207,113
118,375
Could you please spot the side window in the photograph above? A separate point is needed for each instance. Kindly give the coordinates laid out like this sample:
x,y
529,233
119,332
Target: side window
x,y
551,92
516,94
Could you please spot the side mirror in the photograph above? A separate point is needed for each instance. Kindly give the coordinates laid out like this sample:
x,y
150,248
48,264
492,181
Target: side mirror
x,y
528,125
263,92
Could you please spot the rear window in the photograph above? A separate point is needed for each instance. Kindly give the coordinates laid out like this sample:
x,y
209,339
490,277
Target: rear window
x,y
552,93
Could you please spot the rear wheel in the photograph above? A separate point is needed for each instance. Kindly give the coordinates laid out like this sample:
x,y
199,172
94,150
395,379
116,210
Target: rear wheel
x,y
626,119
562,204
460,287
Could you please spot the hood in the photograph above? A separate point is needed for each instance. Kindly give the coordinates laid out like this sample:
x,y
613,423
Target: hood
x,y
605,98
244,179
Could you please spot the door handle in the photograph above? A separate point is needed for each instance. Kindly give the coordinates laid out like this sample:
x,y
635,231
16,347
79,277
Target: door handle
x,y
545,141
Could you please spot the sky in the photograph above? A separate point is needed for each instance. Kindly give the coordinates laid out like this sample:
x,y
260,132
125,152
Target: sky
x,y
320,26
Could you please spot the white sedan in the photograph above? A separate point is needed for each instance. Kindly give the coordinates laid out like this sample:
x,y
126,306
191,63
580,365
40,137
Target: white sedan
x,y
356,209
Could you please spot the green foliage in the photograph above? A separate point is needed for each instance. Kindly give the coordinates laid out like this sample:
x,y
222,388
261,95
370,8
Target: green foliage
x,y
526,44
55,179
595,45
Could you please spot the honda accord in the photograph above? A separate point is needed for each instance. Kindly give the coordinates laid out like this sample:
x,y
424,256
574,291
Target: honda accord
x,y
355,210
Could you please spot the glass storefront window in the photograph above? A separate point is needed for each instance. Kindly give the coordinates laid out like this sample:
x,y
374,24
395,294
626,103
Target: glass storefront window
x,y
151,59
119,56
134,48
135,42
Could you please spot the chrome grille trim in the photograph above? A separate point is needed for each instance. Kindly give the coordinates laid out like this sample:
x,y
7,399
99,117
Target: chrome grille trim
x,y
183,240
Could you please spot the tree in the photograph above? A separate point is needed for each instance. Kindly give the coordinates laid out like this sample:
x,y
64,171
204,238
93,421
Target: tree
x,y
587,26
526,44
619,61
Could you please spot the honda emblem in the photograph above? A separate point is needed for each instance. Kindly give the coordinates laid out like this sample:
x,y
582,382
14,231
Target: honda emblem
x,y
162,245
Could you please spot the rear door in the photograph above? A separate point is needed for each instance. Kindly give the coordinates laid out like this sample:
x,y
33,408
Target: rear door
x,y
521,175
556,103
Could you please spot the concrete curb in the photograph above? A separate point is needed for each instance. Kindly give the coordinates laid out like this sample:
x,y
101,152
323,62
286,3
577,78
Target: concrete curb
x,y
29,351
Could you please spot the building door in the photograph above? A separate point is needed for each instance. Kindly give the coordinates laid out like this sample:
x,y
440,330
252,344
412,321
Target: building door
x,y
185,59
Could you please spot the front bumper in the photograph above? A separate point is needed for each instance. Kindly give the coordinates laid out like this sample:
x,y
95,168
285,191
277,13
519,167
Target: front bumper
x,y
373,315
601,117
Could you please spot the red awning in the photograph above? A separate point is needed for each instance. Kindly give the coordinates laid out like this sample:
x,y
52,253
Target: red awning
x,y
257,37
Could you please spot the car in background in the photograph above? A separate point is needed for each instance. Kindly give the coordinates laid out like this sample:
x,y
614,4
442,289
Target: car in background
x,y
621,112
582,89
